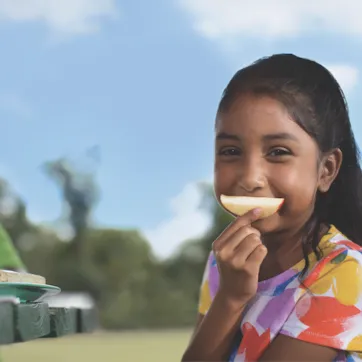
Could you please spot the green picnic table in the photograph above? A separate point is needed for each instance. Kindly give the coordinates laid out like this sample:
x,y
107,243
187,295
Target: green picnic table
x,y
25,322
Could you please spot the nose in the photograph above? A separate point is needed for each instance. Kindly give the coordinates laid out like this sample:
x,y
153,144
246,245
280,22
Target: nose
x,y
251,176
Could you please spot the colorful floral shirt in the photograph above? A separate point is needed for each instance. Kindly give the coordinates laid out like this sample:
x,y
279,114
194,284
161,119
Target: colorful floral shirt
x,y
325,309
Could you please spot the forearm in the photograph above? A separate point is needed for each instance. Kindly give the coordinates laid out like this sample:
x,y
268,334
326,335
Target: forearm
x,y
214,337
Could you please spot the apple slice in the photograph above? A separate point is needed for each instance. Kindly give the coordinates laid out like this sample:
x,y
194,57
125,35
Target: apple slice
x,y
240,205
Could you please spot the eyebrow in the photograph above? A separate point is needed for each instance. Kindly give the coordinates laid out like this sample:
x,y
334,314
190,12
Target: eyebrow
x,y
267,137
227,136
280,136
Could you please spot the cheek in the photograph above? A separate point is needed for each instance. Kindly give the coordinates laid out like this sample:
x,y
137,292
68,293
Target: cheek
x,y
297,184
224,177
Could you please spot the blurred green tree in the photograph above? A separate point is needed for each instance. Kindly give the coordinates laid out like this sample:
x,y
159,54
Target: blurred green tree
x,y
80,194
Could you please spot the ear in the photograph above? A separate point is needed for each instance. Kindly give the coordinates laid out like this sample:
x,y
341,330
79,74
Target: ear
x,y
329,168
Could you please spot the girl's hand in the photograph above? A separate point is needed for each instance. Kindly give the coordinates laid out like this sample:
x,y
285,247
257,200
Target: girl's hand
x,y
239,253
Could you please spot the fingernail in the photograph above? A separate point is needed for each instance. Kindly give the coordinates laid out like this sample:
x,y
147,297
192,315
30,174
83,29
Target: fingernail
x,y
257,211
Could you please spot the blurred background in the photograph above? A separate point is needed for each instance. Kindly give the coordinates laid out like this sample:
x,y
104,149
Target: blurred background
x,y
107,112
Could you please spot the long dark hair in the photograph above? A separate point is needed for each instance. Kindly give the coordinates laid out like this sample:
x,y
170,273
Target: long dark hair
x,y
317,103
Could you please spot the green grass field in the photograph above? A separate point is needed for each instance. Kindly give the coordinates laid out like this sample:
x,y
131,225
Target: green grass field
x,y
165,346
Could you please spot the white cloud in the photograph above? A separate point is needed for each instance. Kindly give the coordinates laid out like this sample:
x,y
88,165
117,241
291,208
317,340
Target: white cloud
x,y
187,221
228,22
267,19
346,75
61,16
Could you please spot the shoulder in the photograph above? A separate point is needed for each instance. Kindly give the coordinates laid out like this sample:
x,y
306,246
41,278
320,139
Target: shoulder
x,y
328,310
339,272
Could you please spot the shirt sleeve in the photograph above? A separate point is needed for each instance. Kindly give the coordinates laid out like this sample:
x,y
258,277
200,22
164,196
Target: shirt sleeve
x,y
205,294
329,313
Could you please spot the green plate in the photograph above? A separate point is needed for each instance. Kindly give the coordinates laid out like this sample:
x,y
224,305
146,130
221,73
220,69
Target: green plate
x,y
28,292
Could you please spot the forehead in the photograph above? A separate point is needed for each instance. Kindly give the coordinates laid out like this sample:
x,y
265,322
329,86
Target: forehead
x,y
257,115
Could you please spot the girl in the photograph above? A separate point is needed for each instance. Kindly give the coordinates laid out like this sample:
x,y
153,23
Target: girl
x,y
288,287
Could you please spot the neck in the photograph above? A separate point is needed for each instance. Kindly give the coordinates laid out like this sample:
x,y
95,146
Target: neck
x,y
284,250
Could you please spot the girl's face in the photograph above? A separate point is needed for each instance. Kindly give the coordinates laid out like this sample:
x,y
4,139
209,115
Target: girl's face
x,y
260,151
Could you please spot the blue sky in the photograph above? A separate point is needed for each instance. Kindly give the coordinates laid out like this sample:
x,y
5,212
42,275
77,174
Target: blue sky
x,y
141,80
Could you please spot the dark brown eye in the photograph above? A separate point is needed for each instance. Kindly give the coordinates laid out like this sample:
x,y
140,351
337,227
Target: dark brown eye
x,y
277,152
229,152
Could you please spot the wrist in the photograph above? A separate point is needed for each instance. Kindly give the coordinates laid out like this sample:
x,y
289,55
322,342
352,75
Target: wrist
x,y
233,304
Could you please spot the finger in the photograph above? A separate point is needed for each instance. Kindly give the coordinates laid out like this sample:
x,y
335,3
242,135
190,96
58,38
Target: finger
x,y
239,222
258,255
244,249
227,249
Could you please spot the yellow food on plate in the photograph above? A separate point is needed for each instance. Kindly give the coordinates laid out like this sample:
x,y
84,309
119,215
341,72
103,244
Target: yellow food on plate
x,y
8,276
